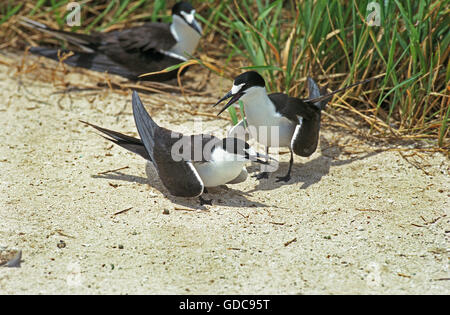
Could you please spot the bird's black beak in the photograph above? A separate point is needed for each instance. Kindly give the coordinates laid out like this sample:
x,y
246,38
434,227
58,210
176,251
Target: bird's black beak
x,y
196,26
234,99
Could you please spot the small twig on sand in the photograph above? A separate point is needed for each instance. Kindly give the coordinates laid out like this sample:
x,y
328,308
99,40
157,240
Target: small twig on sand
x,y
415,164
112,171
278,223
290,242
183,209
244,216
60,232
428,222
122,211
189,209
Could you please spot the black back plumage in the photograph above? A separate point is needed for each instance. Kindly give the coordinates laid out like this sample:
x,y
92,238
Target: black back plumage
x,y
128,53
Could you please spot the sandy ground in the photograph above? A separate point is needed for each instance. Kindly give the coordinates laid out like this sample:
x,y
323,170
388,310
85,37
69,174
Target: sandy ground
x,y
370,222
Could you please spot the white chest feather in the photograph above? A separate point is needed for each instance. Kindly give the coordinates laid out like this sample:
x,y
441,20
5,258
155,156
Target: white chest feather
x,y
223,168
187,38
265,123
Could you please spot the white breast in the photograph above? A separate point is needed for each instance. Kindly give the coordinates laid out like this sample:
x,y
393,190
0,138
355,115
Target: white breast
x,y
222,168
265,124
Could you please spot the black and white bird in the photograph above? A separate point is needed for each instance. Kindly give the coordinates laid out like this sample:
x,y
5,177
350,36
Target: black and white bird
x,y
186,165
296,121
131,52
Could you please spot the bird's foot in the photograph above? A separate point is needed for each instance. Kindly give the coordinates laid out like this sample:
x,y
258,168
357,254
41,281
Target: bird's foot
x,y
205,201
262,175
283,178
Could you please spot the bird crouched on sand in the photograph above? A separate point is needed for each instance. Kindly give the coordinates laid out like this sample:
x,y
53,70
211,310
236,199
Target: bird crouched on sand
x,y
131,52
186,165
295,121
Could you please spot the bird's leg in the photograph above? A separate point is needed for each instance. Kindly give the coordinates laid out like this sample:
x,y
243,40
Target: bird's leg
x,y
205,201
287,177
263,175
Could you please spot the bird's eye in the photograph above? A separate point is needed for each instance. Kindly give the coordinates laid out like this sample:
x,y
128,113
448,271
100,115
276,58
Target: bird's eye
x,y
189,17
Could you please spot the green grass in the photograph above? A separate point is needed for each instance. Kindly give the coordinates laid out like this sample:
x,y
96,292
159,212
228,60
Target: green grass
x,y
286,41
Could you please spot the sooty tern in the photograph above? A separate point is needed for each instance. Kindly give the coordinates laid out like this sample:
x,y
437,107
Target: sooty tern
x,y
296,121
186,164
131,52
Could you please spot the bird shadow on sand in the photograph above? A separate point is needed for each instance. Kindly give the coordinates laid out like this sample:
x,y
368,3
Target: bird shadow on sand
x,y
220,196
311,172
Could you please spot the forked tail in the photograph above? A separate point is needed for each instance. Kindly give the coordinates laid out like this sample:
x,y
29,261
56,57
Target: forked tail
x,y
325,98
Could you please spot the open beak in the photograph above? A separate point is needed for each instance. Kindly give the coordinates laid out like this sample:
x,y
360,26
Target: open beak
x,y
234,99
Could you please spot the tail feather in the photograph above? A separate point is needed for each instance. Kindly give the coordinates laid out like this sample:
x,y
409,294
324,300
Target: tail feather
x,y
85,42
33,24
315,92
129,143
327,97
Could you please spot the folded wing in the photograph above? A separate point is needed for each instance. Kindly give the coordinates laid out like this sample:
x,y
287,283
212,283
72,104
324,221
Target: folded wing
x,y
178,176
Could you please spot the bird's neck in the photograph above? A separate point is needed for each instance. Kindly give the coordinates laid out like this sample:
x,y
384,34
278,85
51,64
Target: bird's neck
x,y
187,37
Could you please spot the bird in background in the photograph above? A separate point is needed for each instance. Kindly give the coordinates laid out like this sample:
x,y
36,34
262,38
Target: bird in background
x,y
186,165
296,121
130,52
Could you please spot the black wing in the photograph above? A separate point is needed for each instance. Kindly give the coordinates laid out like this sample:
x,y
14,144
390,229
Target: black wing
x,y
293,108
306,136
142,50
93,61
305,115
150,36
178,176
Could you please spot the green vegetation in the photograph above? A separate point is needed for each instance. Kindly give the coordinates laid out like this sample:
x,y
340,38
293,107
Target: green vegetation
x,y
331,40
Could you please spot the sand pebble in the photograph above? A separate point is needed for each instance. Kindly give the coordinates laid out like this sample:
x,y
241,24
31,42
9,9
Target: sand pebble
x,y
10,258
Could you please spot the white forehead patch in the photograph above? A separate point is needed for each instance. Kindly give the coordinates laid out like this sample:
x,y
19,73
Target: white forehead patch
x,y
236,88
189,16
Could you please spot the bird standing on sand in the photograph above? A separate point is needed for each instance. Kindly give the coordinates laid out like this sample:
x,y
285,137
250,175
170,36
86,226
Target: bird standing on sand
x,y
131,52
297,121
186,165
